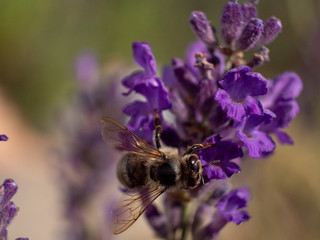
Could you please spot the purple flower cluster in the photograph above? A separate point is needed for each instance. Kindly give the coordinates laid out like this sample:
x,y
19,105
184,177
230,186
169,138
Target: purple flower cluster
x,y
216,98
8,209
86,159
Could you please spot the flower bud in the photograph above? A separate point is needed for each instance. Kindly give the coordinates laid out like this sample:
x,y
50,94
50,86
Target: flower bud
x,y
271,29
202,28
231,22
7,190
249,11
250,34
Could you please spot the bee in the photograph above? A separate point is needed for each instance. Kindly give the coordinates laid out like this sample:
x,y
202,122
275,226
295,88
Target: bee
x,y
148,170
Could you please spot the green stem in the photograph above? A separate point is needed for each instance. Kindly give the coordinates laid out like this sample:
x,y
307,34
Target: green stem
x,y
184,222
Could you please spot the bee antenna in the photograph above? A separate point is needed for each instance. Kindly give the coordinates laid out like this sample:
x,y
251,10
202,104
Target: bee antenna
x,y
210,163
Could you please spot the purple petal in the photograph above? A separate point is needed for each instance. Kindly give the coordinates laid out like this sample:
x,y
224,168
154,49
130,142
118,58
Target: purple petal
x,y
284,138
143,56
231,22
250,34
240,82
229,205
135,79
285,112
185,77
86,69
241,217
205,97
248,11
170,137
285,86
230,168
179,108
212,172
237,111
3,137
223,151
168,77
202,28
138,111
213,228
258,143
157,221
156,94
193,48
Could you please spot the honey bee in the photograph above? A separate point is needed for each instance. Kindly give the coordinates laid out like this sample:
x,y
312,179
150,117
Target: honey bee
x,y
148,170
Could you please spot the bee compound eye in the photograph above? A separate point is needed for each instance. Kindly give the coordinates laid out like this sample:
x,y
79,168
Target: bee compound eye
x,y
193,163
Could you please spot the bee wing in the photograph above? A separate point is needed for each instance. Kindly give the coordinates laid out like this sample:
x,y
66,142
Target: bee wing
x,y
130,209
123,139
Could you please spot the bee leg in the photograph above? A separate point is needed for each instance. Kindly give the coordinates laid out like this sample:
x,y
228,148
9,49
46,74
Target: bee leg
x,y
158,130
197,146
193,148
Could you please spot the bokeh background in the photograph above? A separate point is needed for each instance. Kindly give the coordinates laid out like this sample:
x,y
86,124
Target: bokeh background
x,y
39,42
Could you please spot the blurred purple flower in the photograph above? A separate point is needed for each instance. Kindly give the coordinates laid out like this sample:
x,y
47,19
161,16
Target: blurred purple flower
x,y
87,161
8,209
3,137
229,209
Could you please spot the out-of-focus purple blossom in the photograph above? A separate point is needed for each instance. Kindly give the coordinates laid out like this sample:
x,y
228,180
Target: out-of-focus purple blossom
x,y
86,70
87,161
229,209
231,204
3,137
8,209
282,92
158,221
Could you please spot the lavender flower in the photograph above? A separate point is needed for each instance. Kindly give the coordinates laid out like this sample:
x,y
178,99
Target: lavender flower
x,y
228,210
87,160
147,84
216,98
242,30
8,209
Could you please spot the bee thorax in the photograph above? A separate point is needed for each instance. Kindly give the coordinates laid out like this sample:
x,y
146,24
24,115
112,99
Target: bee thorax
x,y
164,174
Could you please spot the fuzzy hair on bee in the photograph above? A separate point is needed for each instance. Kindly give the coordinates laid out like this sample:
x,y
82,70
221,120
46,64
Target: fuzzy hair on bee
x,y
147,170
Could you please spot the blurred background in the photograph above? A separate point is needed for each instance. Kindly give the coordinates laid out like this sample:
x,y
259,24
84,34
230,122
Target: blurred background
x,y
40,41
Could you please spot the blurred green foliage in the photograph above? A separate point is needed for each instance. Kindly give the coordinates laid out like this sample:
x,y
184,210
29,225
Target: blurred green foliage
x,y
40,39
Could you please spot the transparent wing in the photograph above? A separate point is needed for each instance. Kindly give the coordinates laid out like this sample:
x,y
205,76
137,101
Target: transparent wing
x,y
130,209
123,139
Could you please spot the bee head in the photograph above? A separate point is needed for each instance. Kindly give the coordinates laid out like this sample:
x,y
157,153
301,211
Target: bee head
x,y
192,170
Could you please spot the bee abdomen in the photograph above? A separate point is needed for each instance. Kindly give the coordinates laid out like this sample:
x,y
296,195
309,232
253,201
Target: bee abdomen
x,y
132,171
